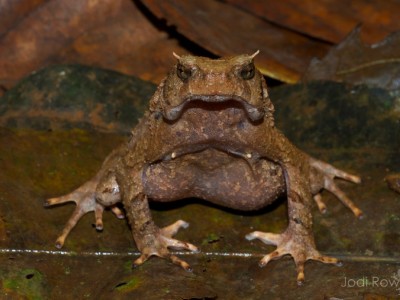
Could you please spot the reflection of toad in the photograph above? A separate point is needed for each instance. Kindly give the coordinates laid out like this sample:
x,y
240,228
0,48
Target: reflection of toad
x,y
209,133
393,182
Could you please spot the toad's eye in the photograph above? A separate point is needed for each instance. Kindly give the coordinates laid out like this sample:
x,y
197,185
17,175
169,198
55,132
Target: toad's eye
x,y
247,72
183,72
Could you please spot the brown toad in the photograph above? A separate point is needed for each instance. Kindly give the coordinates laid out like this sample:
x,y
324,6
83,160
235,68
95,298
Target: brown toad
x,y
209,133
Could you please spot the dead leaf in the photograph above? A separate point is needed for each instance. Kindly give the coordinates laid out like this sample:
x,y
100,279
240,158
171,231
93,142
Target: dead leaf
x,y
357,63
111,34
329,20
12,12
225,30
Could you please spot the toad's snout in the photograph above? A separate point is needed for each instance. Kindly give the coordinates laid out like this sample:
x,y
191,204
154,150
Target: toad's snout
x,y
214,102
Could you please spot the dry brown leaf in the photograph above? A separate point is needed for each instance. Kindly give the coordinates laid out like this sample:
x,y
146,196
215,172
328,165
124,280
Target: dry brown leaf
x,y
13,11
111,34
225,30
329,20
354,62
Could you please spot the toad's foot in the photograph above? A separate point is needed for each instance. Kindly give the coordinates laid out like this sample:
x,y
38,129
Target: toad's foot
x,y
300,247
84,197
323,175
159,244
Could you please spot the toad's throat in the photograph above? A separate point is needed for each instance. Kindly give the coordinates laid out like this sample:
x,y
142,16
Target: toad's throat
x,y
254,113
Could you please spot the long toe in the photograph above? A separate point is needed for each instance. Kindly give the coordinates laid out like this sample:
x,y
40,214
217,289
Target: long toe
x,y
183,264
271,256
266,237
172,229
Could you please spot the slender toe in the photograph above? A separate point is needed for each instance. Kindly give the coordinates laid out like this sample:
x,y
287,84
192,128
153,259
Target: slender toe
x,y
140,260
325,259
271,256
266,237
177,261
172,229
333,188
321,205
98,213
59,243
300,273
117,212
179,245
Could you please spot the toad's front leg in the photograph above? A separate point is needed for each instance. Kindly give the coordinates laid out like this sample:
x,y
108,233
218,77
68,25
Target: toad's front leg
x,y
149,238
297,240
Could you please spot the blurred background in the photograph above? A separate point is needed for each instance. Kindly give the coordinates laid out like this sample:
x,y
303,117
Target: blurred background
x,y
138,37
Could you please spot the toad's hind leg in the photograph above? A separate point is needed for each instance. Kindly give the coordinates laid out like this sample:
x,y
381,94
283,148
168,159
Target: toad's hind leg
x,y
85,199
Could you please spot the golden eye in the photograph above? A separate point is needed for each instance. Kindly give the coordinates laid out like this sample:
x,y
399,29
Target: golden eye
x,y
183,72
247,72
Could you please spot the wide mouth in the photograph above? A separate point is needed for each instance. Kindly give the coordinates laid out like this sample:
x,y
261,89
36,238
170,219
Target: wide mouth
x,y
231,149
214,102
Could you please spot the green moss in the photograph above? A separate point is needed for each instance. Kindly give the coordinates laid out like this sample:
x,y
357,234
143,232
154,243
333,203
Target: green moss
x,y
129,285
379,237
221,218
128,265
210,238
393,217
27,283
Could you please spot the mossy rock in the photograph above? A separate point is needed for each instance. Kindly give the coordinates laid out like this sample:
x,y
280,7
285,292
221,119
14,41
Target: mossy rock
x,y
68,96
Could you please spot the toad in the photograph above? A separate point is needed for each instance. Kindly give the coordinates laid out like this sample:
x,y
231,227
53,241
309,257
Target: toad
x,y
209,133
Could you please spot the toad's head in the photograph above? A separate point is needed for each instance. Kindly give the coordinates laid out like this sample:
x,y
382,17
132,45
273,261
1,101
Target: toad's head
x,y
232,81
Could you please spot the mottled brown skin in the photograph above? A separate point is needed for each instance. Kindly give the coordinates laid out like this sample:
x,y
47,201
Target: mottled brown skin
x,y
209,133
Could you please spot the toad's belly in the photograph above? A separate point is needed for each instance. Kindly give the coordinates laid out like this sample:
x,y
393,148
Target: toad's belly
x,y
216,177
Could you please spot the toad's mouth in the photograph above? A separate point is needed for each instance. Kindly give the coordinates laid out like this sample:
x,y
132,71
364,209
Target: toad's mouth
x,y
254,113
235,150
